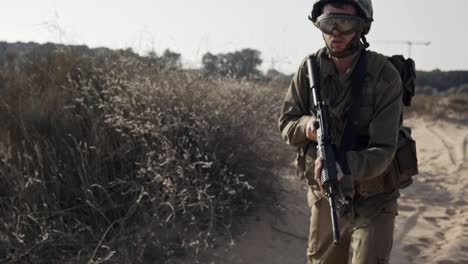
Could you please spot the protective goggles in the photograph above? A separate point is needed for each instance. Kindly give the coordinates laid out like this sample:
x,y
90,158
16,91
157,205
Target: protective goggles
x,y
343,23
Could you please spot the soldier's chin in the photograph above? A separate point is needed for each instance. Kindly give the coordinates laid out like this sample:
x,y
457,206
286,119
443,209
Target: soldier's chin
x,y
337,50
338,46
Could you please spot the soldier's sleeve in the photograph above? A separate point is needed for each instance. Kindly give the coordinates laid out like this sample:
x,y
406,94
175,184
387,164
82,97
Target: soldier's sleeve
x,y
294,115
383,129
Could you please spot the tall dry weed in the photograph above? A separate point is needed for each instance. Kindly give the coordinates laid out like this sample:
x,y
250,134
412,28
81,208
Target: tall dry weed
x,y
113,160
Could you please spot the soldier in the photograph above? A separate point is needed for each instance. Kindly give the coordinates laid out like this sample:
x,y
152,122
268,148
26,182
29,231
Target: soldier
x,y
366,171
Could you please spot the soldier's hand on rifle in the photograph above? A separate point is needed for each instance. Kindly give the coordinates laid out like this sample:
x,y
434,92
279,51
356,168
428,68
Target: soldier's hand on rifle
x,y
311,130
318,173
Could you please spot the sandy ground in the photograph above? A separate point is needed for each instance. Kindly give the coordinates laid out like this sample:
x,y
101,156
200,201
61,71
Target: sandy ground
x,y
432,226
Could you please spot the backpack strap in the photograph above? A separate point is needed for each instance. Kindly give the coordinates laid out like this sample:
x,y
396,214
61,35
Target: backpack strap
x,y
348,140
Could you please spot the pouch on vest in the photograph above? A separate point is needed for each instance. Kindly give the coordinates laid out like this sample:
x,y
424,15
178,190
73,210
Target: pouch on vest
x,y
300,164
406,157
305,163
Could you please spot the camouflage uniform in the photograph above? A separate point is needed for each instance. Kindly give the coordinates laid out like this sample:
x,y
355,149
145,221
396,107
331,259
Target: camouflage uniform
x,y
368,228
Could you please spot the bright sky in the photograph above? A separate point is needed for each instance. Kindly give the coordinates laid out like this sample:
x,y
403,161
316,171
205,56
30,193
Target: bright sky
x,y
277,28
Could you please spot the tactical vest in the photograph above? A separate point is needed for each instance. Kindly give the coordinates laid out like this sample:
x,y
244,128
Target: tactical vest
x,y
387,181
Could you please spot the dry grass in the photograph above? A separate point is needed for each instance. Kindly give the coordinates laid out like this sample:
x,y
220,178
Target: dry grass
x,y
113,160
451,107
116,161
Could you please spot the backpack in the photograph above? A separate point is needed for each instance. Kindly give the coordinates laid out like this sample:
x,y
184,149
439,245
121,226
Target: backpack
x,y
406,156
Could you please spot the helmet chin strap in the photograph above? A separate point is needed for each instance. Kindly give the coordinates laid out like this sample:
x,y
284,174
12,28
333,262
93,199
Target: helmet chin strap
x,y
352,47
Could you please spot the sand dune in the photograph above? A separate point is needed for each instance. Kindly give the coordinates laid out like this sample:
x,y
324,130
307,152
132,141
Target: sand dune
x,y
432,226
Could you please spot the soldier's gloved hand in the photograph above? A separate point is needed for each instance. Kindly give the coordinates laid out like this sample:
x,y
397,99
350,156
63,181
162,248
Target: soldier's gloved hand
x,y
311,130
318,173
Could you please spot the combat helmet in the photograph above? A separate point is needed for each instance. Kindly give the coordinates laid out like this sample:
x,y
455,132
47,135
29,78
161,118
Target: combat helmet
x,y
364,8
364,12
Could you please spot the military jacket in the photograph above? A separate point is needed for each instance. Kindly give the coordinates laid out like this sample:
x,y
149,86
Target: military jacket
x,y
379,120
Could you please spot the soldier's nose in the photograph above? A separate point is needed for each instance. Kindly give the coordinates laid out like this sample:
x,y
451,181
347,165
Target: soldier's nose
x,y
336,33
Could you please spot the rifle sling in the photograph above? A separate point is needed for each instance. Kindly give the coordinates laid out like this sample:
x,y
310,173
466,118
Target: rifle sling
x,y
349,138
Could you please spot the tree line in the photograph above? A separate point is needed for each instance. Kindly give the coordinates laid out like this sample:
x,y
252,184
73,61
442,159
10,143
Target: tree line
x,y
241,64
447,82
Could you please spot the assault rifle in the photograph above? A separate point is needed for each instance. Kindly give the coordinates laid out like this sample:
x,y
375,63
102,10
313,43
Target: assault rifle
x,y
324,148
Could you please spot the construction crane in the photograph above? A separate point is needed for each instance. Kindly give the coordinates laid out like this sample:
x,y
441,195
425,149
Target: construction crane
x,y
407,42
279,60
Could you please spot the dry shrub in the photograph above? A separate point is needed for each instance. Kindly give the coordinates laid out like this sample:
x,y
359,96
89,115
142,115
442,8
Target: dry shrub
x,y
112,160
448,107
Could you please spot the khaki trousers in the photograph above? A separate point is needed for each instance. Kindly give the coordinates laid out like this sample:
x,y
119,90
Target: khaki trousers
x,y
370,241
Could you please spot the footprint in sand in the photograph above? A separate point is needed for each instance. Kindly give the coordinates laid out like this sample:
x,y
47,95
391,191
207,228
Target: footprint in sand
x,y
425,240
464,147
413,250
460,202
450,211
436,218
446,262
440,235
406,208
465,234
432,220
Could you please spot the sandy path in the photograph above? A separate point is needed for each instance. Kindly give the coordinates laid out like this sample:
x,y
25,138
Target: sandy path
x,y
433,223
276,235
432,226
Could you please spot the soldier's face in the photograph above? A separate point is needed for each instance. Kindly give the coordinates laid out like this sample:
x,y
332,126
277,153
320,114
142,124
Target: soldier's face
x,y
336,41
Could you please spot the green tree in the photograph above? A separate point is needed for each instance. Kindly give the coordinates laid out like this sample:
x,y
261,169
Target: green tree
x,y
238,64
171,60
210,64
